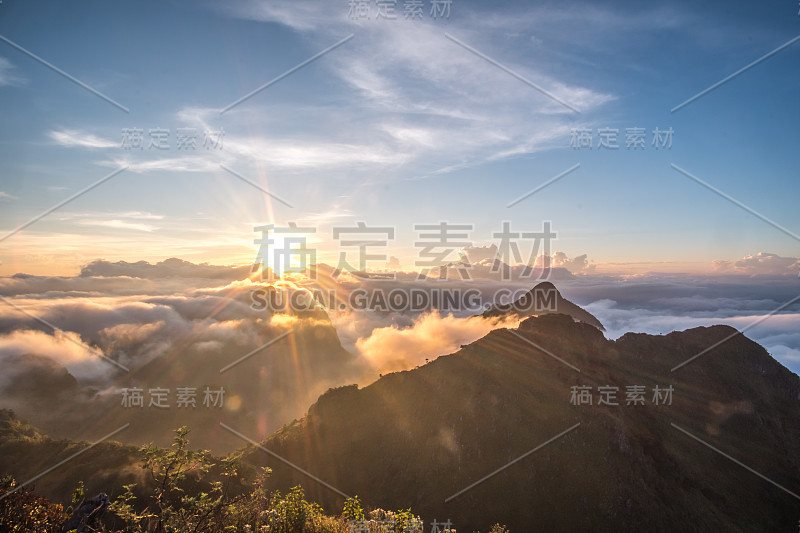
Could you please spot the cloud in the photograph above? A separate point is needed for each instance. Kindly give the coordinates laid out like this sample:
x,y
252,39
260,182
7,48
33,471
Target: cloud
x,y
576,264
561,267
760,264
79,138
169,268
419,101
299,14
659,304
396,348
136,215
289,152
66,349
786,354
179,321
175,324
476,254
118,224
196,163
9,76
5,197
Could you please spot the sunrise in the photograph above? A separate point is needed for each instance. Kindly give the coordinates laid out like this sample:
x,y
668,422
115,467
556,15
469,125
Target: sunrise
x,y
399,265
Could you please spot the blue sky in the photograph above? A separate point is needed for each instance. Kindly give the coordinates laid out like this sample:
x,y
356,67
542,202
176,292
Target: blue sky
x,y
400,125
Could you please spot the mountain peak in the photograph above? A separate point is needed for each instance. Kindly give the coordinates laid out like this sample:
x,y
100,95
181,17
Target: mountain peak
x,y
544,299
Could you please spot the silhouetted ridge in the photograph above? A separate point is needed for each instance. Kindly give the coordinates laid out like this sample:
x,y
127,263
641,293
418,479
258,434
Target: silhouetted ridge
x,y
544,299
416,438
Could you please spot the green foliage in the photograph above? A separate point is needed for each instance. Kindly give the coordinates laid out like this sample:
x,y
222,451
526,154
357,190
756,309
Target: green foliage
x,y
170,508
292,513
78,494
250,513
188,492
352,509
404,520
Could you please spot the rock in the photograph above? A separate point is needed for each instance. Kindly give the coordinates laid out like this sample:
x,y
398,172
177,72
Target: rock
x,y
87,514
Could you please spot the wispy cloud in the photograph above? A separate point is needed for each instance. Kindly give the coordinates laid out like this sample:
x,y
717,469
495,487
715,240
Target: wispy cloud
x,y
126,220
67,137
197,163
117,224
5,197
299,14
8,74
417,98
312,151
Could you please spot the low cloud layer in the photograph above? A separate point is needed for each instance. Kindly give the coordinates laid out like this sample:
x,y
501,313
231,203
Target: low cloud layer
x,y
395,347
178,324
65,348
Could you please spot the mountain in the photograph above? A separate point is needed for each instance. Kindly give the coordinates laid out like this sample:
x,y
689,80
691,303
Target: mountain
x,y
491,434
264,390
543,299
26,452
502,405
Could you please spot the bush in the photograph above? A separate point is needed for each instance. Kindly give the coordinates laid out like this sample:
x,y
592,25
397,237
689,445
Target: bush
x,y
169,507
24,512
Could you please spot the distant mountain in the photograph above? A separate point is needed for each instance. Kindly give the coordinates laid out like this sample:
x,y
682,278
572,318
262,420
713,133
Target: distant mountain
x,y
56,466
419,438
543,299
264,387
26,452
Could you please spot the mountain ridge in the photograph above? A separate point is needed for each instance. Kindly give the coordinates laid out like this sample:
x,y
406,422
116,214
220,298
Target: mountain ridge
x,y
464,415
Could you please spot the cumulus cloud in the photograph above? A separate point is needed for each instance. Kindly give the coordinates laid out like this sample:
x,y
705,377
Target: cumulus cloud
x,y
65,348
561,260
477,254
576,264
430,335
760,264
489,263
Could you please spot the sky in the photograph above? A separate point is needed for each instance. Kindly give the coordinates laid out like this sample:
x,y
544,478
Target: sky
x,y
451,114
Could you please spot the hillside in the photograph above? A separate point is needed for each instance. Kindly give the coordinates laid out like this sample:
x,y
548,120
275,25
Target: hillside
x,y
416,438
26,452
